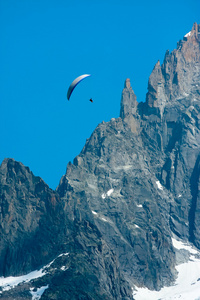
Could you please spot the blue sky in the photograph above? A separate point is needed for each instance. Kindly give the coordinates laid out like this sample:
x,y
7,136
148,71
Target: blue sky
x,y
46,44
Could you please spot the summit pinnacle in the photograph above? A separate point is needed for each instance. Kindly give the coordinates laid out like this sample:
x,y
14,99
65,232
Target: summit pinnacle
x,y
128,100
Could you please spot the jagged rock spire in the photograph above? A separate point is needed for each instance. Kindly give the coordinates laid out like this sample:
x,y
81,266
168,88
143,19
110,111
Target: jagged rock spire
x,y
178,76
194,33
127,83
128,100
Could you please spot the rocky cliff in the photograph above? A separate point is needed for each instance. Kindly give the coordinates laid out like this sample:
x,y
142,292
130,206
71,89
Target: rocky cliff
x,y
136,184
30,220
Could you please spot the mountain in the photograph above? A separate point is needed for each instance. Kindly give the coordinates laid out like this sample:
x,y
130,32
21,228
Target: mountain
x,y
126,215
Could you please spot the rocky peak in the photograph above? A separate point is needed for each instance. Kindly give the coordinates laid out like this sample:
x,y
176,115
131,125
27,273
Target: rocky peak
x,y
128,111
128,100
127,83
155,88
194,34
178,76
28,208
13,172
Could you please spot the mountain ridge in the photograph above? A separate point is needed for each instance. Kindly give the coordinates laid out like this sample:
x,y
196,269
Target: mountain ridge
x,y
134,187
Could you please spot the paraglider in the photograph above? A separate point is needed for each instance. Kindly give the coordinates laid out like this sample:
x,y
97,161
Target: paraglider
x,y
74,84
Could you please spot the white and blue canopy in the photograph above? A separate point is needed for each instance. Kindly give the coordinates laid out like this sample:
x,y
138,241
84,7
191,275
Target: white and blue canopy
x,y
74,84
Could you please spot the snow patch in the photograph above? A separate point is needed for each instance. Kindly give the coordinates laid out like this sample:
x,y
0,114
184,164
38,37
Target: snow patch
x,y
108,193
187,34
37,295
159,185
7,283
63,254
64,268
47,266
180,245
187,284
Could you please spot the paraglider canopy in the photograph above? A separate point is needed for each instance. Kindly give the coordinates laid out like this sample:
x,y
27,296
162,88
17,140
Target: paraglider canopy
x,y
74,84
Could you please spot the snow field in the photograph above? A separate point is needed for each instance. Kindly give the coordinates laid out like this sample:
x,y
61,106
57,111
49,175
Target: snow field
x,y
7,283
37,295
187,284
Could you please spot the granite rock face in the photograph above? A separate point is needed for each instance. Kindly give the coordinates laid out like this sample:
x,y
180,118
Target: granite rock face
x,y
172,110
134,186
29,211
38,228
124,202
178,77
